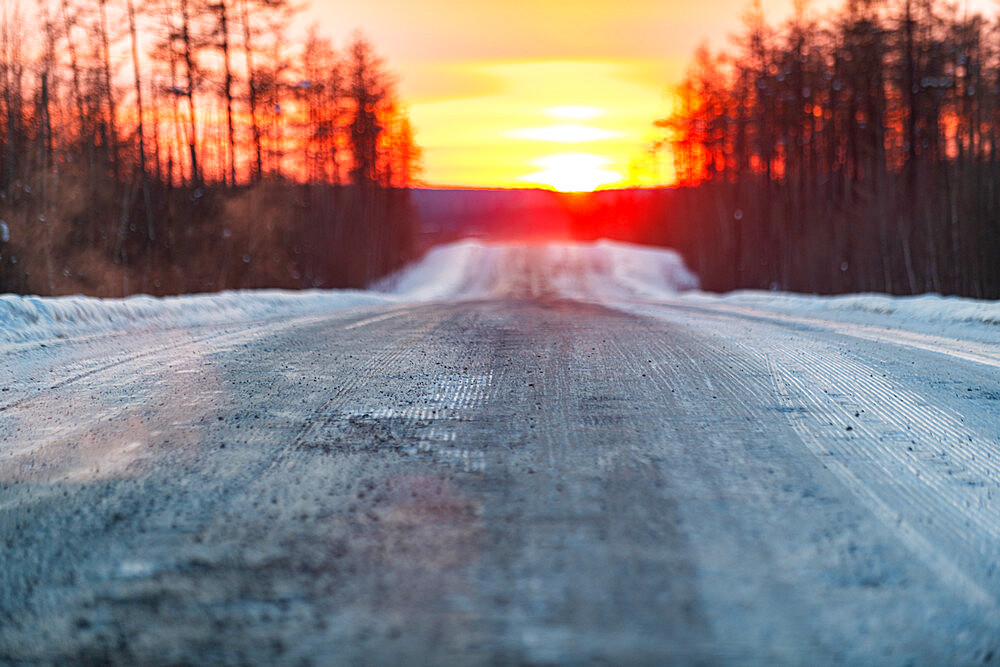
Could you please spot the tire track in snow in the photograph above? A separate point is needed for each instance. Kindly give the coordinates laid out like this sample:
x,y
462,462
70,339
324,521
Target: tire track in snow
x,y
144,357
229,493
741,485
930,479
922,452
40,418
953,469
914,463
423,420
975,352
824,446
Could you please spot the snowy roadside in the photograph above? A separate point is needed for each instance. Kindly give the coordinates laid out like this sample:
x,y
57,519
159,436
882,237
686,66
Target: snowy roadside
x,y
32,318
615,274
952,317
611,273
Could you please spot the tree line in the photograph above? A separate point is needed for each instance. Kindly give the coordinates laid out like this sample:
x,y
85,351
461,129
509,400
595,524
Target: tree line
x,y
169,146
857,152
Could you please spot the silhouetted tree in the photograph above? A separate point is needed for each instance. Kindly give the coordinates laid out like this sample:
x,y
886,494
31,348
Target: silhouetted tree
x,y
854,153
196,175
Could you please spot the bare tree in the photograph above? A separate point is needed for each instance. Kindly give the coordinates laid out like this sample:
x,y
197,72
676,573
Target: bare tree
x,y
137,71
221,8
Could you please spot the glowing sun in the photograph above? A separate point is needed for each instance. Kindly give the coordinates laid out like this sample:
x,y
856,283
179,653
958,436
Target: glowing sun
x,y
573,172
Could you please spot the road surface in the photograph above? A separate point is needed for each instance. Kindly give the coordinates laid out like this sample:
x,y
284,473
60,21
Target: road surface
x,y
545,475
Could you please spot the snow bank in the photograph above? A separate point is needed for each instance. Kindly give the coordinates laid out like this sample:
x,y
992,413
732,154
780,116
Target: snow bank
x,y
606,271
474,270
41,318
899,310
464,269
637,270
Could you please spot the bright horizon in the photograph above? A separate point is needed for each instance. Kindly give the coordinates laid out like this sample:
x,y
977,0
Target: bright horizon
x,y
524,94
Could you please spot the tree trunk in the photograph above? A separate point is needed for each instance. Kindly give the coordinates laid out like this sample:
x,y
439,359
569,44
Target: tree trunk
x,y
252,84
189,93
112,126
150,223
228,87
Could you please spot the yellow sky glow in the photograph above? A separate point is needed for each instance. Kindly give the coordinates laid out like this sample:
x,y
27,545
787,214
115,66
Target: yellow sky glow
x,y
501,92
498,138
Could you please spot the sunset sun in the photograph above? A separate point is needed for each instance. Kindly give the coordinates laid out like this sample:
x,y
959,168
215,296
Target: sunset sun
x,y
569,126
573,172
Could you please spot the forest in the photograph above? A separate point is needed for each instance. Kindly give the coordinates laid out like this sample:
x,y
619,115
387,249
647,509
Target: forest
x,y
173,146
853,152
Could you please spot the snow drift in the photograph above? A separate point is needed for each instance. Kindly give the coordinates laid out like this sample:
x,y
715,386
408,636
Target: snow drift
x,y
451,271
625,269
608,272
474,270
32,318
927,308
957,317
462,270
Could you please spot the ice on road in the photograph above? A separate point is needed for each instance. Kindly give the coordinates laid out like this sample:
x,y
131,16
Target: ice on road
x,y
505,453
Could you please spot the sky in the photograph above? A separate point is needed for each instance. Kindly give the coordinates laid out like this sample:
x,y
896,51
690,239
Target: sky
x,y
523,93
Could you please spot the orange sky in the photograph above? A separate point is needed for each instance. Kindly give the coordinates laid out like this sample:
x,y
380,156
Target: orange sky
x,y
538,92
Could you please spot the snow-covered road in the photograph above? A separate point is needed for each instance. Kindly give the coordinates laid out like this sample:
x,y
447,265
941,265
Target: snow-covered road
x,y
510,453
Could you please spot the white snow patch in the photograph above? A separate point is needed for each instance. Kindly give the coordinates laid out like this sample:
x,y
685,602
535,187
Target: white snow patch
x,y
32,318
475,270
898,311
613,273
608,272
638,270
451,271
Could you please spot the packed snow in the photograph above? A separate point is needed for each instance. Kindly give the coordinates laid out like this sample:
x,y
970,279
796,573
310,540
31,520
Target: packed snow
x,y
464,269
32,318
476,270
612,272
608,272
926,308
